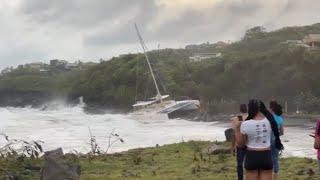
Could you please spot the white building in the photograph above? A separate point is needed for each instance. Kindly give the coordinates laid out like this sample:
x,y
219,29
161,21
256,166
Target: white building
x,y
313,40
71,66
295,43
35,65
43,70
203,56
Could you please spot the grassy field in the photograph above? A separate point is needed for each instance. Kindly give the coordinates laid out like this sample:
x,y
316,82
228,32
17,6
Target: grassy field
x,y
181,161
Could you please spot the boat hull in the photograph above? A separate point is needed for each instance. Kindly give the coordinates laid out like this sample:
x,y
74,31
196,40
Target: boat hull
x,y
169,110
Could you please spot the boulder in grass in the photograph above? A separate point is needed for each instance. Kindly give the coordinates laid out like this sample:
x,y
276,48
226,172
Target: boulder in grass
x,y
217,149
10,177
229,134
57,167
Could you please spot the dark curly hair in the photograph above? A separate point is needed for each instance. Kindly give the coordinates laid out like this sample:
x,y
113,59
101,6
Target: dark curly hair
x,y
276,108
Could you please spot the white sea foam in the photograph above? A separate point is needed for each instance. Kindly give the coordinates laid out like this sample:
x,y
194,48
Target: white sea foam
x,y
67,127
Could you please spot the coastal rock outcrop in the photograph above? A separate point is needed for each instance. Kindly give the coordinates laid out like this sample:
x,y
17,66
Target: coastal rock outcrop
x,y
56,166
19,98
229,134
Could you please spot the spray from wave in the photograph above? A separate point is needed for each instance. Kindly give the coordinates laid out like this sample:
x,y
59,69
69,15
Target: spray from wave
x,y
67,126
61,125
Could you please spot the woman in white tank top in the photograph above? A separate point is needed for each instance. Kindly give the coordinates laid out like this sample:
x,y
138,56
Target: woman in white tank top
x,y
255,134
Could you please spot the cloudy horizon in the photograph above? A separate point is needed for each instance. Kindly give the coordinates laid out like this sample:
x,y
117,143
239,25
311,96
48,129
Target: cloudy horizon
x,y
40,30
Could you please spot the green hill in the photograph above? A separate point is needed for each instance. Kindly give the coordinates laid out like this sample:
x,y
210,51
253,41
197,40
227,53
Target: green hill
x,y
258,65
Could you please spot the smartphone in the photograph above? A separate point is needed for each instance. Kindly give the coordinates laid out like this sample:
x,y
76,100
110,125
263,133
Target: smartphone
x,y
240,118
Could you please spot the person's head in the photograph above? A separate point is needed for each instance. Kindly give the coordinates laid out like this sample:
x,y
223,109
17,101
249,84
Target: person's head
x,y
272,104
243,108
254,107
276,108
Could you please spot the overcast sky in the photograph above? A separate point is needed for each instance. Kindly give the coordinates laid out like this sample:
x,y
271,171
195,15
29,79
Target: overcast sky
x,y
40,30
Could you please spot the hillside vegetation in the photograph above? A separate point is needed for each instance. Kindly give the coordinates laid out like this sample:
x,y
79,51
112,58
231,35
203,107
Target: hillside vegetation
x,y
256,66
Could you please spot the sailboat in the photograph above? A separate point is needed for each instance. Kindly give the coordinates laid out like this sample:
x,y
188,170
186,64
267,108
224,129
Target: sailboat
x,y
161,106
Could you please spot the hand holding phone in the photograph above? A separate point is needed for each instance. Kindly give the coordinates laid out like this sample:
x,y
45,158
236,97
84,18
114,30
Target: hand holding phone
x,y
312,135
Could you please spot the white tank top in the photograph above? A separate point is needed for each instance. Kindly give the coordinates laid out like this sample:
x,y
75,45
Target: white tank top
x,y
258,133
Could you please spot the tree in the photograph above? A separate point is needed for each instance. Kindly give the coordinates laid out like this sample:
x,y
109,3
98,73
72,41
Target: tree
x,y
257,32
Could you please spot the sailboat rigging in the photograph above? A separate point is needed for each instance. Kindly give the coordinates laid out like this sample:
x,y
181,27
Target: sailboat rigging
x,y
160,103
144,47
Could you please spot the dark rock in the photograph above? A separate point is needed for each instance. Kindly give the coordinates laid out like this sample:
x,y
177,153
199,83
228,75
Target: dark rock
x,y
16,98
57,167
54,153
229,134
310,172
10,177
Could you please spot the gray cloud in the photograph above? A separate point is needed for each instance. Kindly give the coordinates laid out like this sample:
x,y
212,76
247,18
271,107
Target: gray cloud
x,y
245,8
81,13
123,31
77,29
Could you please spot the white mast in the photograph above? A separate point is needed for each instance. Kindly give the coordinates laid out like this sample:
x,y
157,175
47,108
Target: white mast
x,y
158,97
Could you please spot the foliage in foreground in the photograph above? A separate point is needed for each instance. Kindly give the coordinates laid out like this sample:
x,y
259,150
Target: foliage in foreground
x,y
176,161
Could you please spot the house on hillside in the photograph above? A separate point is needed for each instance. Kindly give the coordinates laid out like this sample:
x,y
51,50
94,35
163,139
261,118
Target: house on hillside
x,y
35,65
313,40
54,62
221,45
203,56
58,64
44,70
72,66
64,65
294,43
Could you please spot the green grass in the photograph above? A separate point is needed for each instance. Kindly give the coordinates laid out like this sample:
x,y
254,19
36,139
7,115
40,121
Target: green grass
x,y
26,169
177,162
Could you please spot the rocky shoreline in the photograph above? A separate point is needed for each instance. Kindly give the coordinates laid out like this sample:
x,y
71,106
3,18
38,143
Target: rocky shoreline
x,y
23,98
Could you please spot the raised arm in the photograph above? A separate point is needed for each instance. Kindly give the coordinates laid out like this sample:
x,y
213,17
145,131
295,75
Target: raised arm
x,y
233,140
241,139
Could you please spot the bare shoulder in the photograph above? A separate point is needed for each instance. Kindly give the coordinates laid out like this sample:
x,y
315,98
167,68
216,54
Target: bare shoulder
x,y
246,122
